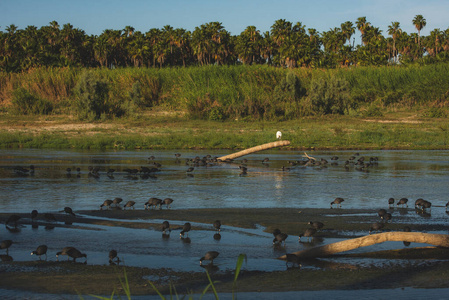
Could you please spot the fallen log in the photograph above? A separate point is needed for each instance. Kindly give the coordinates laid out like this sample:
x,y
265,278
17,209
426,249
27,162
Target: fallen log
x,y
255,149
440,240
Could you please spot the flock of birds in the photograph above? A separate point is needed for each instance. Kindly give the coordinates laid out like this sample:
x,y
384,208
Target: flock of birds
x,y
359,162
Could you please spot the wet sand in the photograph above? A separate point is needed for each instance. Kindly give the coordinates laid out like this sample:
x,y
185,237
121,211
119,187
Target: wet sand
x,y
63,277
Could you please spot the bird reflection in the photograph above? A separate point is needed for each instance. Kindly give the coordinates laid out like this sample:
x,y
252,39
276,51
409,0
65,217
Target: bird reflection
x,y
49,227
211,268
217,236
165,236
5,257
186,240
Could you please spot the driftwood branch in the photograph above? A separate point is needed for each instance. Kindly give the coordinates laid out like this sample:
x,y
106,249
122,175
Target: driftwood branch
x,y
255,149
441,240
309,157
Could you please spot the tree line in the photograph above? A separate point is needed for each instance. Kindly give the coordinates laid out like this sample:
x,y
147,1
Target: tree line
x,y
285,45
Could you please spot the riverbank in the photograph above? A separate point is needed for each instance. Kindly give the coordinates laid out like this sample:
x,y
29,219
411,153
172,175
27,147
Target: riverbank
x,y
399,270
171,130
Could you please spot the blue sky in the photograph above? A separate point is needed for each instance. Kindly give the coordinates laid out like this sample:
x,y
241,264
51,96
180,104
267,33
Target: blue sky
x,y
93,16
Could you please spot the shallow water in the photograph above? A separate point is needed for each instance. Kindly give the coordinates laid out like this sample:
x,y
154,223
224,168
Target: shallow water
x,y
411,174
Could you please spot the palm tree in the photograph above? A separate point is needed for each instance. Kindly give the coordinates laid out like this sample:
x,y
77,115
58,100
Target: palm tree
x,y
363,26
419,23
394,31
347,29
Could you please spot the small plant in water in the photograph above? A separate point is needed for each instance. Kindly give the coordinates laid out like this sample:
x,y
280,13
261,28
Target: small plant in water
x,y
125,285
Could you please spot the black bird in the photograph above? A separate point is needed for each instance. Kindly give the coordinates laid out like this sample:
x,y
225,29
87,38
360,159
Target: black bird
x,y
293,258
317,225
13,219
5,245
117,201
217,225
279,238
210,255
41,250
106,203
168,202
376,227
381,213
69,211
165,227
402,201
185,229
177,155
309,233
390,202
63,252
153,202
34,214
265,160
337,202
75,253
50,217
112,256
129,204
387,217
190,169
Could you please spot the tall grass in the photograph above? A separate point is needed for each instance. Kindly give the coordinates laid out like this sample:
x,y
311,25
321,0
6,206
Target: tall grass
x,y
236,92
173,294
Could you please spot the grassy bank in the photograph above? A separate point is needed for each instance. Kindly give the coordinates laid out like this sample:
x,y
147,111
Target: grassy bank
x,y
229,93
405,130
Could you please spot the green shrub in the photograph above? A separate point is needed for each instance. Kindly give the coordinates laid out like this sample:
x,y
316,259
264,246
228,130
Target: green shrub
x,y
92,96
329,95
25,103
436,112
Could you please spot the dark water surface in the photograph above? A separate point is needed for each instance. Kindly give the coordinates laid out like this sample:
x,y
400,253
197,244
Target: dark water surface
x,y
397,174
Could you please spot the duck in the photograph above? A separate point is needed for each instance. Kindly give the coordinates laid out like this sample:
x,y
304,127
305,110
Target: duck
x,y
63,252
185,229
292,258
129,204
376,227
153,202
40,250
34,214
317,225
402,201
390,202
75,253
210,255
217,225
337,202
165,227
69,211
117,201
112,256
50,217
309,233
168,202
106,203
279,238
5,245
13,219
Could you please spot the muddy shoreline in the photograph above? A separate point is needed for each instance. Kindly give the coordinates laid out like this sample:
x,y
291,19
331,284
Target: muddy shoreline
x,y
430,271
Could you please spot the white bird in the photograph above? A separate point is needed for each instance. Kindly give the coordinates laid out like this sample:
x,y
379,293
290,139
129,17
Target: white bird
x,y
278,135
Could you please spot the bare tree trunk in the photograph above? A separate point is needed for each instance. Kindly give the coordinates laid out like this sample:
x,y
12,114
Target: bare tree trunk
x,y
441,240
255,149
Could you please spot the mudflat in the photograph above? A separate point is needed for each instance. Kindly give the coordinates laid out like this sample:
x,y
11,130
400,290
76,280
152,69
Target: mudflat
x,y
431,270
